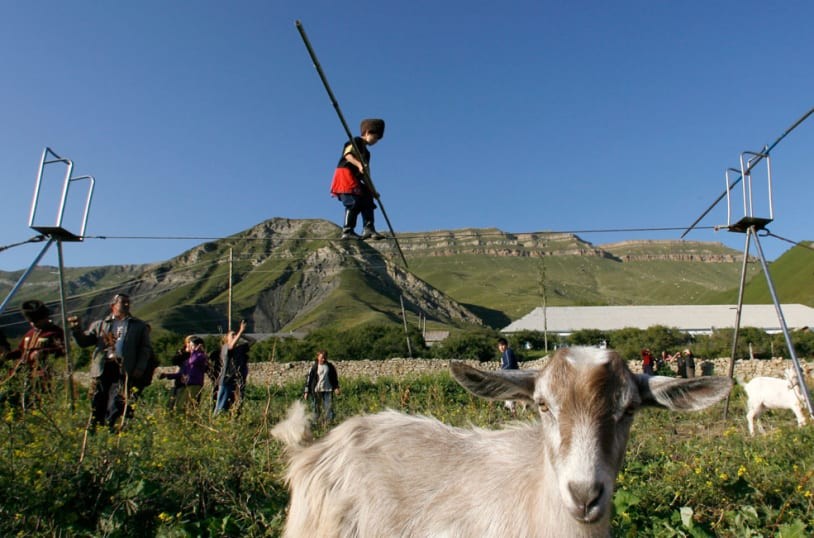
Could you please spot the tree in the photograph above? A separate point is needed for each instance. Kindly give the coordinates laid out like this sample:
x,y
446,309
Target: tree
x,y
536,339
166,344
588,337
372,341
474,345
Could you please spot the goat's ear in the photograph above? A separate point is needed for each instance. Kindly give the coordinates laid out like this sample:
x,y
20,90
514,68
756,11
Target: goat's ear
x,y
499,385
682,394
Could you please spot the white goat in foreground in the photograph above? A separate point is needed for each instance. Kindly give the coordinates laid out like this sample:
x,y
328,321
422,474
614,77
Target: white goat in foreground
x,y
391,474
773,393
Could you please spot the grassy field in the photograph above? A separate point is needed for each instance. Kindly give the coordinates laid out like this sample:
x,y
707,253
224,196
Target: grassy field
x,y
169,475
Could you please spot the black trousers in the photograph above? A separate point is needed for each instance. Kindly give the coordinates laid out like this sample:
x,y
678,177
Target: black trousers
x,y
107,401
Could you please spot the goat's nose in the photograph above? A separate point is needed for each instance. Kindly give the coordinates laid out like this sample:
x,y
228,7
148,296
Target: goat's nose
x,y
587,496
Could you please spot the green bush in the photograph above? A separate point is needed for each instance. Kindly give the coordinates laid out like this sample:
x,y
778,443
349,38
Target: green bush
x,y
373,341
283,350
474,345
588,337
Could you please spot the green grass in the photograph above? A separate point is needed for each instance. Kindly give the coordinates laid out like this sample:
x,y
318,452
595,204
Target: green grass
x,y
690,474
513,286
792,278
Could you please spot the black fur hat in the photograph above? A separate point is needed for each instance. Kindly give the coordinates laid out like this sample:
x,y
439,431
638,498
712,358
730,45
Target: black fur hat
x,y
35,310
372,125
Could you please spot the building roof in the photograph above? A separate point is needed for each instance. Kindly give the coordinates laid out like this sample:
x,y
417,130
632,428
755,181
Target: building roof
x,y
688,318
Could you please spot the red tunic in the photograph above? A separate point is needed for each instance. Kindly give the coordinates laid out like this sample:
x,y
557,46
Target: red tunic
x,y
345,182
347,179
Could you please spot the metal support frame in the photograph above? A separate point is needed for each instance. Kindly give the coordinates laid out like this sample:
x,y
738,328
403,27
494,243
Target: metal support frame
x,y
56,234
750,225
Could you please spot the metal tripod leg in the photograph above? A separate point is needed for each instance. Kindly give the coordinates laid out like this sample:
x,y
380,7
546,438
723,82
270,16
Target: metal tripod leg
x,y
738,311
65,329
794,360
24,276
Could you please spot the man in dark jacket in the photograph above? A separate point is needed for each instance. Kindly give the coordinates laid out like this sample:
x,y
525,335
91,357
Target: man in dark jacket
x,y
507,362
321,384
120,359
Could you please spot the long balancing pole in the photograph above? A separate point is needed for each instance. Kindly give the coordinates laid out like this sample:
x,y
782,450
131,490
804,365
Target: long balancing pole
x,y
335,103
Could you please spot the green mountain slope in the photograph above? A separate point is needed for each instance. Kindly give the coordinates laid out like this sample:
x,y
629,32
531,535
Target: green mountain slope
x,y
512,282
294,275
286,275
792,275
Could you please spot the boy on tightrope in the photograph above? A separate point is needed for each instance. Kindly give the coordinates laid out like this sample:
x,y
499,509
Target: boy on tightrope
x,y
349,183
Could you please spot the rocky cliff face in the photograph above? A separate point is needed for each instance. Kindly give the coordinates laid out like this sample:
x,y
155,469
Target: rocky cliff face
x,y
317,266
493,242
666,250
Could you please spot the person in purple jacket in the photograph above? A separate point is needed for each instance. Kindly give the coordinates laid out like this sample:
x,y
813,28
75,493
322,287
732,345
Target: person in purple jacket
x,y
190,375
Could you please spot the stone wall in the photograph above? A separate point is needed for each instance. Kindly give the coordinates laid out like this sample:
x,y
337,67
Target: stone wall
x,y
278,374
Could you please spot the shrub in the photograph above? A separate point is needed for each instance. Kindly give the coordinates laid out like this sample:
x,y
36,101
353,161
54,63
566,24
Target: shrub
x,y
475,345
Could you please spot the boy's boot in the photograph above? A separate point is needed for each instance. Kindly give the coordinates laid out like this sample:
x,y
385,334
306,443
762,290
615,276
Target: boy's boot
x,y
369,232
350,224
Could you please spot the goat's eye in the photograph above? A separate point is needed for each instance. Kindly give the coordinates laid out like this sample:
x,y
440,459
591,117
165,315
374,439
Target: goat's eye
x,y
542,406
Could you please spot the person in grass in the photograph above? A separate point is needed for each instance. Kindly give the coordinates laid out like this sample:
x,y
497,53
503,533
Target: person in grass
x,y
688,370
190,375
349,183
121,356
508,361
179,358
321,385
30,375
234,356
648,362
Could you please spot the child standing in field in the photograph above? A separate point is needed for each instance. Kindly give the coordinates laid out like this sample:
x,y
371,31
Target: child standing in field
x,y
191,375
349,183
321,385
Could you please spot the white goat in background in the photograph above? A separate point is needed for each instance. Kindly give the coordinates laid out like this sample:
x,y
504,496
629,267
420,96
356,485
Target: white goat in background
x,y
391,474
773,393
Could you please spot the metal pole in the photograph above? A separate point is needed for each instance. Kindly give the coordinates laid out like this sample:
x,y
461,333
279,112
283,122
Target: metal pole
x,y
731,372
64,316
229,305
335,103
406,335
794,360
24,276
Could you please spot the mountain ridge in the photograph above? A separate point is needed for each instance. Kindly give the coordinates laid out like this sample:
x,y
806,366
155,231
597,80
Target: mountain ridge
x,y
296,275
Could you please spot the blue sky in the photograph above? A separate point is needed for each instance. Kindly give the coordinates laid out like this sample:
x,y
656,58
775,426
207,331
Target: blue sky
x,y
205,118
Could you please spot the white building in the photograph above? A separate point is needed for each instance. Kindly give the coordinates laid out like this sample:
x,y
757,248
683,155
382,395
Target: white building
x,y
694,319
